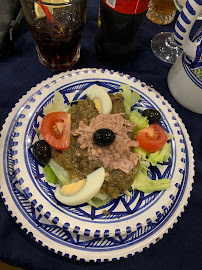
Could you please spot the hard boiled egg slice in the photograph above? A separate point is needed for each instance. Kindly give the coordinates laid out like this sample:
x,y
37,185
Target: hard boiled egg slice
x,y
72,188
81,191
101,98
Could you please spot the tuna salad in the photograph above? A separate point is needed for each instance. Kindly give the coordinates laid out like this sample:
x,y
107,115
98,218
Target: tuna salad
x,y
89,148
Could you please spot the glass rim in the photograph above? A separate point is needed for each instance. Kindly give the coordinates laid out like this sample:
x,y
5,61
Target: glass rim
x,y
64,3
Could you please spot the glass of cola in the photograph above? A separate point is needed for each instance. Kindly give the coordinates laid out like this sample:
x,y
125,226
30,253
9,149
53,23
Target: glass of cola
x,y
56,26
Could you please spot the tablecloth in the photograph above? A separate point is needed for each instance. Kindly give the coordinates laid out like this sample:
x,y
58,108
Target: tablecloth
x,y
21,70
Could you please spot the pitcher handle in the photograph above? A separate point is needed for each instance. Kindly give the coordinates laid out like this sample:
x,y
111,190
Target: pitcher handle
x,y
183,26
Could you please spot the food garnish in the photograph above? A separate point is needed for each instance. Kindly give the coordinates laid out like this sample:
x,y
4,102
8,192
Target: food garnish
x,y
47,10
118,144
130,98
141,121
42,151
144,183
152,138
61,174
100,98
152,115
103,137
55,128
83,193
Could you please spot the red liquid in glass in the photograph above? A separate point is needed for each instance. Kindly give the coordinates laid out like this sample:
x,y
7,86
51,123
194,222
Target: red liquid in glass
x,y
59,49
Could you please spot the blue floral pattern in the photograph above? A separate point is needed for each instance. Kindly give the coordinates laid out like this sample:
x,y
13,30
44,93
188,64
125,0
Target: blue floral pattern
x,y
30,212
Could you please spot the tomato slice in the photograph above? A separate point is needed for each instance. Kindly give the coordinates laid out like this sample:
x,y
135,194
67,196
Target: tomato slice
x,y
55,128
152,139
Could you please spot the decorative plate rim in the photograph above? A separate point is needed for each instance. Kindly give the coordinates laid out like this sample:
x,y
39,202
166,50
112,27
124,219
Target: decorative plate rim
x,y
169,225
54,213
62,251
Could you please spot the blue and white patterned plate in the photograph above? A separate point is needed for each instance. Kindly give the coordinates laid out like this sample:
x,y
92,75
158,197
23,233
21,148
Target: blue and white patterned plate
x,y
84,248
126,213
71,245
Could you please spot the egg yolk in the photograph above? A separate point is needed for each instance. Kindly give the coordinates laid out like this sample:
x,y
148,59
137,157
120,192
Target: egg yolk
x,y
73,188
98,104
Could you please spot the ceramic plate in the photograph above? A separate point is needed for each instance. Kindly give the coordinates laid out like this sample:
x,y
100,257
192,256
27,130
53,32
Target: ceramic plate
x,y
127,214
71,245
84,248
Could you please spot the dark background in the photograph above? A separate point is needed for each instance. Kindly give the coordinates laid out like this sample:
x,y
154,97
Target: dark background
x,y
21,70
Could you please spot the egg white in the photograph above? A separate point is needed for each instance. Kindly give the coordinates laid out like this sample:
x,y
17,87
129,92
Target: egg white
x,y
98,93
90,189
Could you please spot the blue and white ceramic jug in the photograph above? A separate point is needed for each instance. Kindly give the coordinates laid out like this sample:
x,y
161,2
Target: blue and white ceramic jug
x,y
185,76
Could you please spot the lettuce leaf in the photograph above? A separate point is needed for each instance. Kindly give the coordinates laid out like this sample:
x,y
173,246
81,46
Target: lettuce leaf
x,y
38,131
61,174
99,200
57,105
96,202
143,183
170,136
141,121
142,154
135,97
159,156
130,98
50,175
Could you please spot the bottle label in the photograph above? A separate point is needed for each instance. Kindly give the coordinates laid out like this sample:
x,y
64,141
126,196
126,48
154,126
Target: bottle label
x,y
128,6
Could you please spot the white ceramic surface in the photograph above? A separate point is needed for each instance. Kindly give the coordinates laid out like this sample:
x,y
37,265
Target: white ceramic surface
x,y
180,4
72,245
185,76
183,26
186,89
126,214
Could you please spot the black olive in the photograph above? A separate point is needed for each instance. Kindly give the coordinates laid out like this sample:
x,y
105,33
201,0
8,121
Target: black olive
x,y
42,151
103,137
152,115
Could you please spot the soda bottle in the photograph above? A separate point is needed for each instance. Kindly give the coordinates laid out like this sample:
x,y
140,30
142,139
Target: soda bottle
x,y
118,22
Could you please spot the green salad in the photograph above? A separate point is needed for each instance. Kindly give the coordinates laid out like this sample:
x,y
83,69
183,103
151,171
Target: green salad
x,y
153,149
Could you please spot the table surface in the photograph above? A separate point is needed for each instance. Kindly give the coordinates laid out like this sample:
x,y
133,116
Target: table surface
x,y
181,247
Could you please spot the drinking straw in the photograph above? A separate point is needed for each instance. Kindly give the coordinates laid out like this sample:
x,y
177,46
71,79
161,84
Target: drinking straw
x,y
47,12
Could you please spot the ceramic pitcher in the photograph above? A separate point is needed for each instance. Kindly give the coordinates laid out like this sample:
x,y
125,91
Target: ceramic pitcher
x,y
185,76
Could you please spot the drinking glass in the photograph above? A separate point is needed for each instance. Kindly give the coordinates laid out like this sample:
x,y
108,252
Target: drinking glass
x,y
56,26
163,44
161,11
164,47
